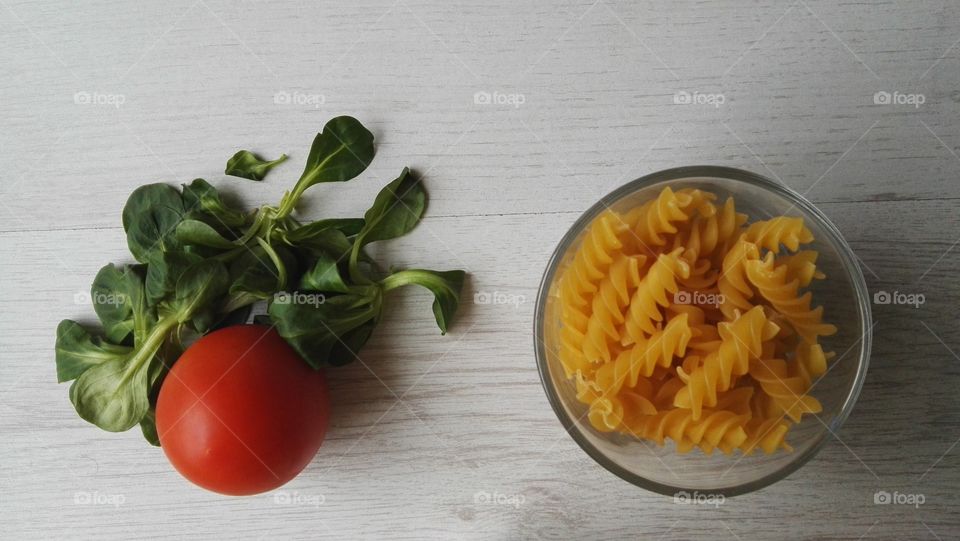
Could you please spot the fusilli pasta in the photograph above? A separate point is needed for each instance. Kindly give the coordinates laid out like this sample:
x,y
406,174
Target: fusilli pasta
x,y
680,322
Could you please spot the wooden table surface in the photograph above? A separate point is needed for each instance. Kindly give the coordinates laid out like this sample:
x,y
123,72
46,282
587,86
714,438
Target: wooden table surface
x,y
99,97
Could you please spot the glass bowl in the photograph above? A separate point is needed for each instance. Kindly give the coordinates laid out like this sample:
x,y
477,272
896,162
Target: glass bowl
x,y
846,304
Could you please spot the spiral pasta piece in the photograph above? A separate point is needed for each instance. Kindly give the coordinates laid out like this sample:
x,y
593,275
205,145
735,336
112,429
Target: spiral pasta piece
x,y
732,283
591,262
710,431
741,340
644,356
802,267
607,315
782,230
580,281
572,337
711,234
786,393
766,434
651,294
700,201
702,275
784,295
657,217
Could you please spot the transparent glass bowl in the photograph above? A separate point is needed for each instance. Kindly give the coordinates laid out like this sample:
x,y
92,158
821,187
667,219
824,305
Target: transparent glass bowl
x,y
846,304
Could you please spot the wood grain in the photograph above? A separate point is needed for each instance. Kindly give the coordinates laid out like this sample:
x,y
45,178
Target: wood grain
x,y
426,426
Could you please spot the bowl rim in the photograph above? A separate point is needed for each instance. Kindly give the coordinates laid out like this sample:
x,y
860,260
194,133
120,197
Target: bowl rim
x,y
850,264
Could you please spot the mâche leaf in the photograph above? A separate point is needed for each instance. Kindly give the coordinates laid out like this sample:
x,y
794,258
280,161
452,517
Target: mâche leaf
x,y
256,272
445,286
150,219
203,201
314,328
396,210
246,164
148,425
198,293
348,226
77,350
324,276
164,270
111,297
112,395
202,234
340,152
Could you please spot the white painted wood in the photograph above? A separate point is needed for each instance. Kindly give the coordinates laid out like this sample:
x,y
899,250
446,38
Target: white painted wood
x,y
598,80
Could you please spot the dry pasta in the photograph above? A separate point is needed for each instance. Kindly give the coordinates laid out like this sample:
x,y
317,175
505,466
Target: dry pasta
x,y
680,321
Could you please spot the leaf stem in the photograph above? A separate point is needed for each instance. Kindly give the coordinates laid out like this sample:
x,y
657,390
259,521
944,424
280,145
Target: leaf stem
x,y
146,351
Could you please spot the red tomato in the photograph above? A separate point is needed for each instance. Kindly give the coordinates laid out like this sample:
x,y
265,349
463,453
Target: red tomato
x,y
240,412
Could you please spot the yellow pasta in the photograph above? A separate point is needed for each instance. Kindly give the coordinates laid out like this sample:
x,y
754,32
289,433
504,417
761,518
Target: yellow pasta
x,y
580,281
740,341
680,321
786,393
657,217
733,283
783,294
644,356
612,297
785,230
656,290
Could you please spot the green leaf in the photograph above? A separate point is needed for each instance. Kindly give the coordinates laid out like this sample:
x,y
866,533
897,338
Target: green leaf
x,y
77,350
119,298
396,210
202,234
339,153
347,226
256,271
112,395
199,197
198,294
346,349
163,272
110,294
246,164
324,276
313,330
148,425
330,241
446,287
150,219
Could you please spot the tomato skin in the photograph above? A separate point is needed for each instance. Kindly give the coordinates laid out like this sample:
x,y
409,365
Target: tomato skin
x,y
241,412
